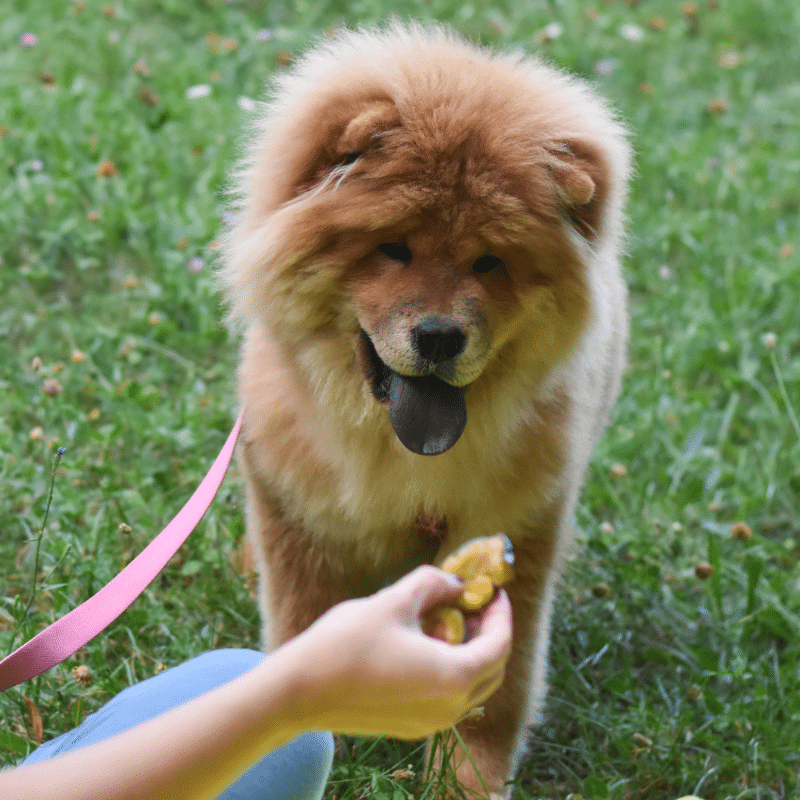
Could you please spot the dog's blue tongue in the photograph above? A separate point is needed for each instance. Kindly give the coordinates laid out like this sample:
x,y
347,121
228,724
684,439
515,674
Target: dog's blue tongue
x,y
427,414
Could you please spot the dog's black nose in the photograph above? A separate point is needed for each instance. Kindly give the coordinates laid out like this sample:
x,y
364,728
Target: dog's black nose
x,y
438,339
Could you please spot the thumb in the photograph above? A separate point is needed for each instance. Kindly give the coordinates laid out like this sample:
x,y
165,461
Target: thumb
x,y
428,586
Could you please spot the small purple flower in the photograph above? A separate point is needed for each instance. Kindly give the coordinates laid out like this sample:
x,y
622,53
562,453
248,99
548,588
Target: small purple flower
x,y
264,35
195,265
28,40
603,68
60,452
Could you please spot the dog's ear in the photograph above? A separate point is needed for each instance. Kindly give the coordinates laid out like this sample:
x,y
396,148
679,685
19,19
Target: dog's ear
x,y
363,129
346,134
582,180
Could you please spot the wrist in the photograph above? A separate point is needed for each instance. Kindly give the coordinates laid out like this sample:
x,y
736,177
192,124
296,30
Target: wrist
x,y
297,691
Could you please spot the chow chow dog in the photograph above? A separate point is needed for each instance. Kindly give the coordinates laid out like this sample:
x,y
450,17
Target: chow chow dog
x,y
425,267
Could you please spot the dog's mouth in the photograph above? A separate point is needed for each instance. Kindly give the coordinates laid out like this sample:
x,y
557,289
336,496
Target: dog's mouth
x,y
427,414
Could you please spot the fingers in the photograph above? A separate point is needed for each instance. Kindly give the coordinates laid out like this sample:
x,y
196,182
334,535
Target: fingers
x,y
489,648
491,641
479,665
426,587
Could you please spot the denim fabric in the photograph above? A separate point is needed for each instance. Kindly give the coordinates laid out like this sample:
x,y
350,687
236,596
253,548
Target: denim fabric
x,y
296,771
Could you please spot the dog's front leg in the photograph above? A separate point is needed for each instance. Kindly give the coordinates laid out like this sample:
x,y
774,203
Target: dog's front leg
x,y
299,579
495,735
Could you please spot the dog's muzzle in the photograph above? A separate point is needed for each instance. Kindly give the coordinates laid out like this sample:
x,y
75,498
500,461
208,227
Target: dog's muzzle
x,y
427,413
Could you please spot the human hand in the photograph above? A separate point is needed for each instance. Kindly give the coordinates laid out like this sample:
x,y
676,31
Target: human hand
x,y
367,668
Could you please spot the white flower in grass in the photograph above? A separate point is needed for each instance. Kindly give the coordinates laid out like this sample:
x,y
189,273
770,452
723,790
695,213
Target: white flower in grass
x,y
549,33
196,92
769,340
246,103
730,60
633,33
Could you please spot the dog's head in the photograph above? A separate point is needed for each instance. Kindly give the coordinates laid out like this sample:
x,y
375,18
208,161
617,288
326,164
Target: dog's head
x,y
439,209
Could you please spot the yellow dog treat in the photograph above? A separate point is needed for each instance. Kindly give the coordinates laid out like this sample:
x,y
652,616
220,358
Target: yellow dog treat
x,y
483,564
446,624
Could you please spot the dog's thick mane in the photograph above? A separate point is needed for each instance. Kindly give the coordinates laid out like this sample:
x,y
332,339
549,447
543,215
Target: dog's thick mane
x,y
563,123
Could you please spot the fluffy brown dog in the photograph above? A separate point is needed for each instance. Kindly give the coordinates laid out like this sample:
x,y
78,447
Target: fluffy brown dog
x,y
426,266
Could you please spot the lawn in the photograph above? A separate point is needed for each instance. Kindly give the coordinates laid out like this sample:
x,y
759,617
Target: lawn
x,y
677,637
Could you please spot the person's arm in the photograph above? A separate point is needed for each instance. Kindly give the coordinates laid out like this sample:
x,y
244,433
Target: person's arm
x,y
364,668
192,751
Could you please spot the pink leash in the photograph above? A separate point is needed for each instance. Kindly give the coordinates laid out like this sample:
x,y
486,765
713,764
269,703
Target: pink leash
x,y
68,634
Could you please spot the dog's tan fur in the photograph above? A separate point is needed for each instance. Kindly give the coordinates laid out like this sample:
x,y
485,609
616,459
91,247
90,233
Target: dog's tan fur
x,y
410,132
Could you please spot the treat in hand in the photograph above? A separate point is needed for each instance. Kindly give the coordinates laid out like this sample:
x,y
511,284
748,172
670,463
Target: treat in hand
x,y
483,564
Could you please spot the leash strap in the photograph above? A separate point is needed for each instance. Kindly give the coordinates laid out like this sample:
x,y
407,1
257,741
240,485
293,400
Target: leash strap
x,y
67,635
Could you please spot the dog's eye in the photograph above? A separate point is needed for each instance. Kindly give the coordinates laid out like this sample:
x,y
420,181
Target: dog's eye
x,y
486,264
397,251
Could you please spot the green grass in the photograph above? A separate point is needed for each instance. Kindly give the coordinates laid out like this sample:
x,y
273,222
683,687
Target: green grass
x,y
663,683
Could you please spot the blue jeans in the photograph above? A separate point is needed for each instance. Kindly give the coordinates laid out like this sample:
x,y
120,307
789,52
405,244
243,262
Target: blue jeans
x,y
296,771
